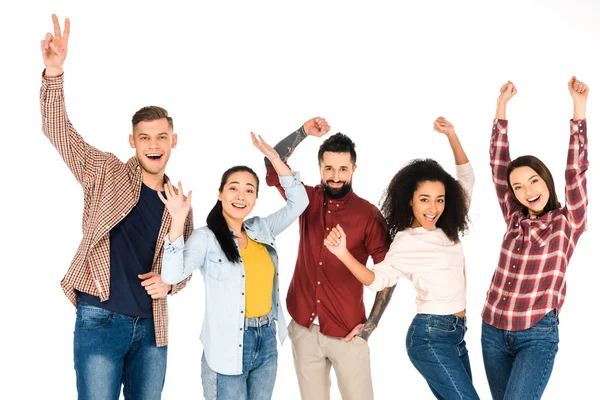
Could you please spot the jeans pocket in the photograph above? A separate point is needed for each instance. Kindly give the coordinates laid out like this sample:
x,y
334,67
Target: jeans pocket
x,y
442,325
409,337
547,323
90,318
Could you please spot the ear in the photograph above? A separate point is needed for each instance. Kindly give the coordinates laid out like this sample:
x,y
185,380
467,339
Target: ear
x,y
354,168
131,141
174,141
220,196
410,202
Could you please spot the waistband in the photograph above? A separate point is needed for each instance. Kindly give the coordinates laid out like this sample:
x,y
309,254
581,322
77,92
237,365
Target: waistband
x,y
266,319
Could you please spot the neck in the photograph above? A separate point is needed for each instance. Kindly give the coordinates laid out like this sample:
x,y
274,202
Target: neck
x,y
154,181
234,224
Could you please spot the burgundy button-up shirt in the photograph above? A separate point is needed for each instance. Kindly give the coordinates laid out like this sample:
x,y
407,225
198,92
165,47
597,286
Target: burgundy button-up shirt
x,y
322,285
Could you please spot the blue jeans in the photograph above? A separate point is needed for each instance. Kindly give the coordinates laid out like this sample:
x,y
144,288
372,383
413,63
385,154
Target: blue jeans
x,y
518,364
437,348
112,349
259,366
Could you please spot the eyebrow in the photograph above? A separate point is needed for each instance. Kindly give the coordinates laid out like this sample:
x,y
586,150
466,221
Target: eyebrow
x,y
148,134
530,178
232,182
426,195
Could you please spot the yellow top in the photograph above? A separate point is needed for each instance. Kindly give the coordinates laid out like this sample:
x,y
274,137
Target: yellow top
x,y
259,279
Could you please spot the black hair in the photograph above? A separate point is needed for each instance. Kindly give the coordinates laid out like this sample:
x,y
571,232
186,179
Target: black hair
x,y
216,220
338,143
396,208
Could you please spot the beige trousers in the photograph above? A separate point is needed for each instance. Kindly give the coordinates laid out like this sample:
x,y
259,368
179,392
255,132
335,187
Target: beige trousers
x,y
315,353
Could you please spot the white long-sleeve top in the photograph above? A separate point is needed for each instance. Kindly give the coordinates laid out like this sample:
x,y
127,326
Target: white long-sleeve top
x,y
434,263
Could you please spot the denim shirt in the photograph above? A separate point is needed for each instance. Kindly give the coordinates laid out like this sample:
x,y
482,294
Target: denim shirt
x,y
223,328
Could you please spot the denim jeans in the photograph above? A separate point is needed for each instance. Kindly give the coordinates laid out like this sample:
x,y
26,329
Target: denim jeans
x,y
259,369
112,349
518,364
437,348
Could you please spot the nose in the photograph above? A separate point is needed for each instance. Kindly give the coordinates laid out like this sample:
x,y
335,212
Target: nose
x,y
336,176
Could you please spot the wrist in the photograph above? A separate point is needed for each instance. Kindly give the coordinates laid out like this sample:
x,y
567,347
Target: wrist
x,y
52,72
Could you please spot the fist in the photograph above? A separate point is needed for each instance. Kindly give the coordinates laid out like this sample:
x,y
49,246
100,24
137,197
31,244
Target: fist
x,y
336,241
507,91
442,125
578,89
316,127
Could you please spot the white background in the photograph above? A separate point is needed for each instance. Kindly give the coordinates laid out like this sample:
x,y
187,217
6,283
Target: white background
x,y
379,72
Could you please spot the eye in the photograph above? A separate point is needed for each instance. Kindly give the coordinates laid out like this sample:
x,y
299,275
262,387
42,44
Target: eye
x,y
327,168
518,187
535,180
144,138
250,191
344,169
440,200
424,200
163,137
232,188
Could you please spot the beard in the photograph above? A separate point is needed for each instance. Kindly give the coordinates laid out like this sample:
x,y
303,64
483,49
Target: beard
x,y
336,193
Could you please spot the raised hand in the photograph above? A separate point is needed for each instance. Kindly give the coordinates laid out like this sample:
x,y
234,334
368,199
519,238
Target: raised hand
x,y
578,90
507,91
54,47
177,204
442,125
264,147
316,127
336,241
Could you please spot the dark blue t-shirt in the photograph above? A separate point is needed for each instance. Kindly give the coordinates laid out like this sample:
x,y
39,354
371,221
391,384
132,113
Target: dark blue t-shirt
x,y
132,247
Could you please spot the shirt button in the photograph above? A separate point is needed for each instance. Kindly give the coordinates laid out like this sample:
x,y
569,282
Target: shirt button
x,y
277,304
516,225
325,203
240,345
311,319
509,283
241,329
313,314
328,212
318,301
514,266
320,263
337,205
330,201
319,282
242,294
327,228
243,276
242,312
504,298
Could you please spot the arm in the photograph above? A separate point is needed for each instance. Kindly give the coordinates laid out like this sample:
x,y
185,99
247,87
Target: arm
x,y
464,171
499,153
79,156
576,198
187,233
294,191
314,127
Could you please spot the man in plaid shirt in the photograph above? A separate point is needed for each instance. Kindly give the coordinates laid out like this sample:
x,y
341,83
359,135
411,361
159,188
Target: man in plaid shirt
x,y
114,279
520,315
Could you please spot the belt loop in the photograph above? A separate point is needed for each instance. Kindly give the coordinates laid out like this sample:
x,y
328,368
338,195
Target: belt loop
x,y
270,317
245,324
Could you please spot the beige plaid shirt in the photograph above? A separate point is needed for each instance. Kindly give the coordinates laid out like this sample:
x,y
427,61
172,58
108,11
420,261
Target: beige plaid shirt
x,y
111,189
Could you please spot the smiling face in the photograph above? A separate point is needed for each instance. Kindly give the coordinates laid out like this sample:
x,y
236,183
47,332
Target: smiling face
x,y
153,141
428,203
529,189
238,195
336,173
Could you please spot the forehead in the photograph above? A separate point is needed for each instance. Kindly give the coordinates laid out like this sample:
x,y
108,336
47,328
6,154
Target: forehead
x,y
155,127
336,159
242,177
432,188
521,174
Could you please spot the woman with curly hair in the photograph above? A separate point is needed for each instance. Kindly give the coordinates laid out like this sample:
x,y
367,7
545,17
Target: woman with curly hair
x,y
426,211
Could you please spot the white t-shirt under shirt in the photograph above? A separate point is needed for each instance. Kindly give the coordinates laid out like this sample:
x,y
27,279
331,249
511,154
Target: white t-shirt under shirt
x,y
434,264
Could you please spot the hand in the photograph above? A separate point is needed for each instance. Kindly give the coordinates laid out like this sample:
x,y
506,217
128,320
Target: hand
x,y
578,90
336,241
54,48
264,147
442,125
362,330
316,127
154,285
177,204
507,91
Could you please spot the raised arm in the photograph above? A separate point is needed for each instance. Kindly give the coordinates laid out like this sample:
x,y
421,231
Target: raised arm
x,y
79,156
577,160
314,127
464,171
295,193
499,153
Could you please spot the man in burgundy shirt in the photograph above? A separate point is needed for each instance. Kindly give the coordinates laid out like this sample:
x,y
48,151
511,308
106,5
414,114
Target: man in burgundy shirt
x,y
329,325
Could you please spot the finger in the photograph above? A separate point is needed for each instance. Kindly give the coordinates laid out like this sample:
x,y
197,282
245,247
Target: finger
x,y
146,275
262,141
349,336
56,26
328,243
255,140
162,198
170,191
189,197
167,193
67,30
342,233
180,189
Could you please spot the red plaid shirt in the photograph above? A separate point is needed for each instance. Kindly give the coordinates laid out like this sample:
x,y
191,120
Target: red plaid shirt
x,y
111,189
529,280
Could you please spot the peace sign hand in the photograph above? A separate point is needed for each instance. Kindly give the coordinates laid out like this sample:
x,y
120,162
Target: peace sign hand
x,y
54,47
177,204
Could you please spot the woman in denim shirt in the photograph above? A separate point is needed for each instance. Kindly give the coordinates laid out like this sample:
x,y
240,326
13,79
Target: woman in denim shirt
x,y
239,262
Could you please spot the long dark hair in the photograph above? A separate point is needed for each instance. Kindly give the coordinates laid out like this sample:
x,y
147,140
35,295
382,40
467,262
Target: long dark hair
x,y
396,208
540,168
216,221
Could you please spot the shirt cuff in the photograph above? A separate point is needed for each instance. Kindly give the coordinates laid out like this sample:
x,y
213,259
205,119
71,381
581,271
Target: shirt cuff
x,y
377,284
175,246
53,82
287,181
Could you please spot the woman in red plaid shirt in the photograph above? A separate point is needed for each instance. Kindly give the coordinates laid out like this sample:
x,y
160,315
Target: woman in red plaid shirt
x,y
520,317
